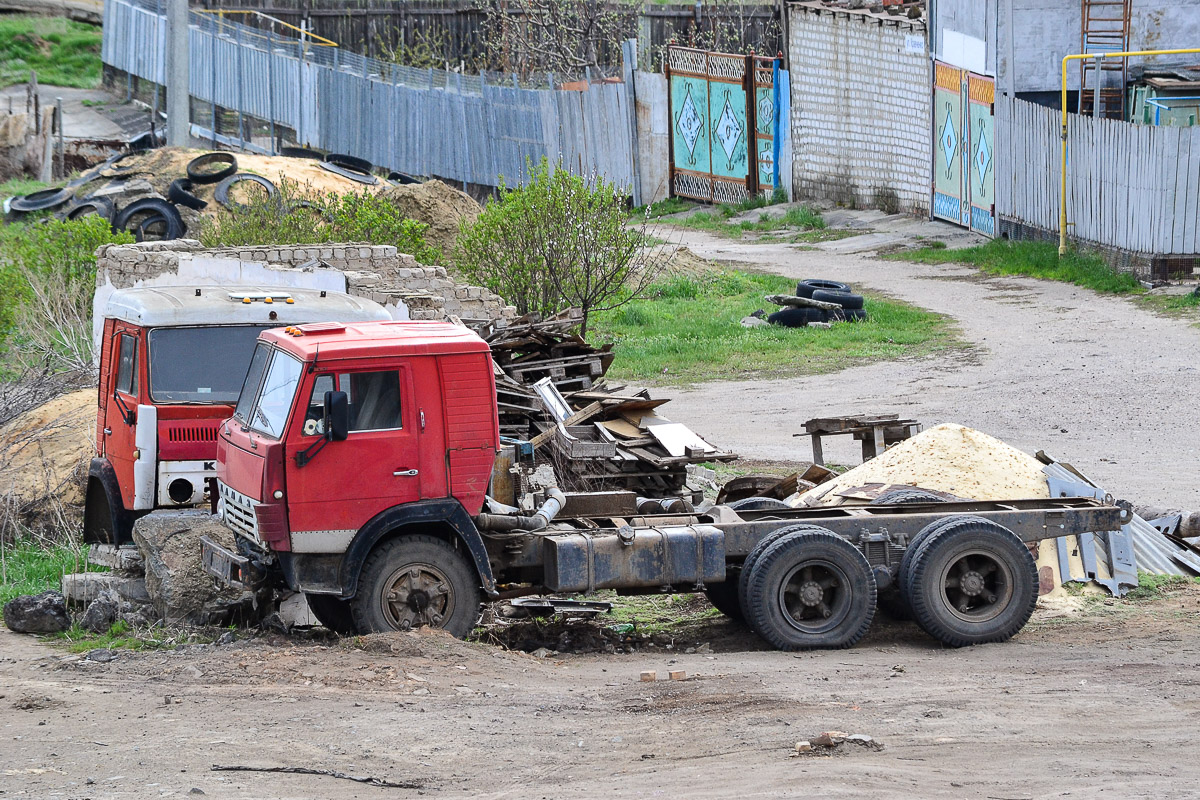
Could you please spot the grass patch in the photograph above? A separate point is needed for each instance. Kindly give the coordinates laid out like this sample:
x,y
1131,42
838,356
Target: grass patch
x,y
669,614
1172,305
1153,586
30,567
1034,259
62,52
672,205
687,330
804,224
18,186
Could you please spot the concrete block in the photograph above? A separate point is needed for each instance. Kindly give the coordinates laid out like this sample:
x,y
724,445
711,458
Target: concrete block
x,y
81,588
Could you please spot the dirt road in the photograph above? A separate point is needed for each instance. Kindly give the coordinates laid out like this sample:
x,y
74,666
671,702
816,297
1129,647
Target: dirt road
x,y
1092,379
1100,705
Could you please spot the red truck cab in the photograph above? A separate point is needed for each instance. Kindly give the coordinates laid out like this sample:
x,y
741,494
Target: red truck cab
x,y
347,436
172,362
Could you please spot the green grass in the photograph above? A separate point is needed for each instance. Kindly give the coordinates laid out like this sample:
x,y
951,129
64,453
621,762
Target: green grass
x,y
30,567
1152,586
660,614
1173,305
687,330
16,186
672,205
62,52
800,223
1035,259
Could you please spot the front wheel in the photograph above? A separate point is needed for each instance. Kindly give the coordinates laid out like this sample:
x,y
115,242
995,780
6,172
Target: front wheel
x,y
416,581
332,612
811,589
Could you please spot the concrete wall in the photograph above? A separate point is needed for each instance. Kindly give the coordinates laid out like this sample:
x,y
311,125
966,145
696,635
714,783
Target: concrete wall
x,y
1027,39
860,116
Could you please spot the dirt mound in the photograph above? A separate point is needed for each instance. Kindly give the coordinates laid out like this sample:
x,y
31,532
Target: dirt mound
x,y
430,643
438,205
949,458
44,452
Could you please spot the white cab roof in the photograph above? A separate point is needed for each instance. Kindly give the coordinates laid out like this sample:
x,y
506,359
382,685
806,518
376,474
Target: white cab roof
x,y
172,306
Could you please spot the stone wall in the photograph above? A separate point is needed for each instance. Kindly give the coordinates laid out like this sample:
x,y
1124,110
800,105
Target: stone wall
x,y
377,272
861,104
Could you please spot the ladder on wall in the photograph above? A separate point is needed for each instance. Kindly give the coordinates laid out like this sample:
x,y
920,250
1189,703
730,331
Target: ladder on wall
x,y
1105,29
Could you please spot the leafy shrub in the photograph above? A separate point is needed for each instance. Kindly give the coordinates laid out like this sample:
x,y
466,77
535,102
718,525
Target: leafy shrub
x,y
302,215
560,240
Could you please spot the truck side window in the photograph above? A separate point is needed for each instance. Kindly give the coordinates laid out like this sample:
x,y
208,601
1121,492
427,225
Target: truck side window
x,y
374,401
127,378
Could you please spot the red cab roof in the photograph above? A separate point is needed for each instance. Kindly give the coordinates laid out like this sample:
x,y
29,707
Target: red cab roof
x,y
336,340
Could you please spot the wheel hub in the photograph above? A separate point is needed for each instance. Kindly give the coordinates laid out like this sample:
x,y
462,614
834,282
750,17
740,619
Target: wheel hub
x,y
972,583
811,593
419,595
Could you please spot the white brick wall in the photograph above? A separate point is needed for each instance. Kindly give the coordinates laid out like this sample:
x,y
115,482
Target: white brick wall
x,y
860,110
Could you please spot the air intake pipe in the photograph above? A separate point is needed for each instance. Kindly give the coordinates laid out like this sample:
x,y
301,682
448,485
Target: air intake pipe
x,y
555,501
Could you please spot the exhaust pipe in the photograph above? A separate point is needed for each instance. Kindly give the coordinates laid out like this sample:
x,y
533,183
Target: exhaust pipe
x,y
555,500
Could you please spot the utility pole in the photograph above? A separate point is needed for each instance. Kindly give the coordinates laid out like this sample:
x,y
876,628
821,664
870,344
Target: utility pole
x,y
178,99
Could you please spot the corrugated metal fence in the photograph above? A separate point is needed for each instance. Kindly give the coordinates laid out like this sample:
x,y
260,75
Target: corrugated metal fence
x,y
417,121
1132,187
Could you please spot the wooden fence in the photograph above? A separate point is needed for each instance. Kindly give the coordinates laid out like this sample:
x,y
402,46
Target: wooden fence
x,y
1131,187
455,29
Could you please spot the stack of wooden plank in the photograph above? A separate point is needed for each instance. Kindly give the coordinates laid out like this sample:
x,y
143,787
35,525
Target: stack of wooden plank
x,y
593,418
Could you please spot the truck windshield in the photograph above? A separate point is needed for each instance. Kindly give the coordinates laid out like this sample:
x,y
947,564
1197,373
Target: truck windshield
x,y
274,399
200,365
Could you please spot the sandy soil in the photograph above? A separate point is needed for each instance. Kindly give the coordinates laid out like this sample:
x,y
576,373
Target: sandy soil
x,y
1102,703
1091,379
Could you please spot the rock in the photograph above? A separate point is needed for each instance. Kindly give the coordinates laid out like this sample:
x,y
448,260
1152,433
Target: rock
x,y
101,655
804,747
542,652
175,580
862,740
227,638
824,740
824,325
102,612
704,649
122,559
754,322
41,613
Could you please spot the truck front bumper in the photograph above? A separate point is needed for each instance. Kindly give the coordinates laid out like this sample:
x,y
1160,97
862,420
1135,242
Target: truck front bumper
x,y
231,569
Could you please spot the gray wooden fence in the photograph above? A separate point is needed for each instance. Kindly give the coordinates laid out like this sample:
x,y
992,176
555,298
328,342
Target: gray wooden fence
x,y
1132,187
422,122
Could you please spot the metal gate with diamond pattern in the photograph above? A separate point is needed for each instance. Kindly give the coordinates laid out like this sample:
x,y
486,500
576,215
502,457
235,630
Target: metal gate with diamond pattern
x,y
717,153
964,175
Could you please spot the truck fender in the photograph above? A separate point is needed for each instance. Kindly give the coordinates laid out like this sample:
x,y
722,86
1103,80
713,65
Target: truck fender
x,y
444,513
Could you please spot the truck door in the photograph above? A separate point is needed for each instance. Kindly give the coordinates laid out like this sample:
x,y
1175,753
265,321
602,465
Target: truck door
x,y
121,407
347,483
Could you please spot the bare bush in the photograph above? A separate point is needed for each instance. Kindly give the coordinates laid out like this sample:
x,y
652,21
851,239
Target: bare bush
x,y
53,329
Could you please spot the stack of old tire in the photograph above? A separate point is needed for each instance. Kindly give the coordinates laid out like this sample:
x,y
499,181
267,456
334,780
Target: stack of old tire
x,y
826,291
151,216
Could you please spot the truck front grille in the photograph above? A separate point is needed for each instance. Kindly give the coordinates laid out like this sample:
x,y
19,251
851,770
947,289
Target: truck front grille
x,y
239,512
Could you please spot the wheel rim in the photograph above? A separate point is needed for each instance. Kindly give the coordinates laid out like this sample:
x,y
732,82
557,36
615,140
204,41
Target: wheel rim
x,y
814,597
976,586
417,594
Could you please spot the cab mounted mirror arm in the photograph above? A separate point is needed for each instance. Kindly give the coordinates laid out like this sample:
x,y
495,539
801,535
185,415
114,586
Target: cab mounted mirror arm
x,y
337,426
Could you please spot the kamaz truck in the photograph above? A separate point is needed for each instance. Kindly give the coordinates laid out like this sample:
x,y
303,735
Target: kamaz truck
x,y
172,361
360,466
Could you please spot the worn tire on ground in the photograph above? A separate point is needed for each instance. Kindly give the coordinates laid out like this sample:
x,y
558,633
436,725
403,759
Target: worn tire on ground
x,y
332,612
155,211
42,200
848,315
180,193
847,300
806,287
794,317
811,589
197,173
221,194
89,206
443,594
972,582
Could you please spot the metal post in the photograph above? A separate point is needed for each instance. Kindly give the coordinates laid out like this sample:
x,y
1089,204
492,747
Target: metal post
x,y
62,153
238,67
1099,77
271,82
178,75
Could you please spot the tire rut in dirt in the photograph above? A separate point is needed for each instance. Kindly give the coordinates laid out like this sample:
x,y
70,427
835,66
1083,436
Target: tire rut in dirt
x,y
811,589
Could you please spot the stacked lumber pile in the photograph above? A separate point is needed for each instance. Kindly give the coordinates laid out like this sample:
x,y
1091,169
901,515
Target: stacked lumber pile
x,y
551,390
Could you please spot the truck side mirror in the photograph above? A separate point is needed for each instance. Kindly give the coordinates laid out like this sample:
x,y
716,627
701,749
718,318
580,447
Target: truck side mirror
x,y
337,416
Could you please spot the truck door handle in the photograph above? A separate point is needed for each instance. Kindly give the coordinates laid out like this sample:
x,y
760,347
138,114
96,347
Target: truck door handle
x,y
405,473
108,431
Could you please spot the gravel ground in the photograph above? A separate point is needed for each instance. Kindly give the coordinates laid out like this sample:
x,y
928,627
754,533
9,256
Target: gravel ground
x,y
1089,378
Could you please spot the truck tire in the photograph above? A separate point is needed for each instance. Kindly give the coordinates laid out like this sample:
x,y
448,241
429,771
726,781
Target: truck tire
x,y
894,601
759,504
900,497
811,589
221,193
332,612
105,520
846,300
794,317
724,597
756,554
200,169
972,582
805,288
412,581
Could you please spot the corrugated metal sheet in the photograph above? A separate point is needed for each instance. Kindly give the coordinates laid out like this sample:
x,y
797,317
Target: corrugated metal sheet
x,y
417,121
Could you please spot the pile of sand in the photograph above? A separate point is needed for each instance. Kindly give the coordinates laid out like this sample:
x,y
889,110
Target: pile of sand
x,y
44,453
949,458
440,206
